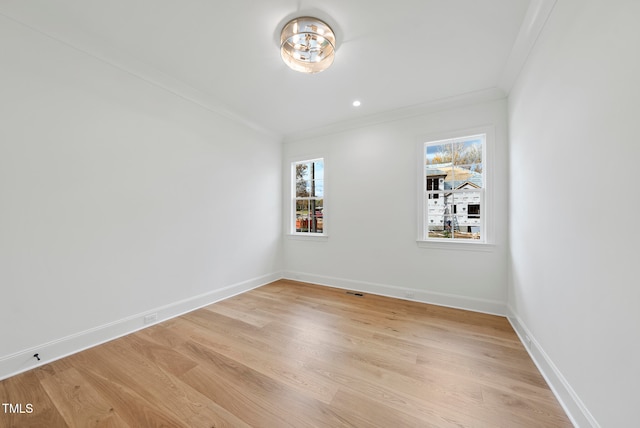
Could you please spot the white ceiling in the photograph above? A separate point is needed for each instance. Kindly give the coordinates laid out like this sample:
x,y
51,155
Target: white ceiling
x,y
224,54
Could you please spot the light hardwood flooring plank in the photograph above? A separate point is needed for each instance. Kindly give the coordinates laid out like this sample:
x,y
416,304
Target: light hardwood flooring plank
x,y
79,402
27,389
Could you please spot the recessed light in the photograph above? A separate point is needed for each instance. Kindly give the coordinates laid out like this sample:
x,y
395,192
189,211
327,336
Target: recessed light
x,y
356,103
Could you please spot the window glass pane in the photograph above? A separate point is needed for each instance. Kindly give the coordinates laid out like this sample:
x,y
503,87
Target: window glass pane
x,y
438,232
318,169
455,152
311,188
310,216
469,152
469,176
302,223
468,232
435,219
435,232
436,155
303,188
449,180
302,216
453,227
448,203
316,189
303,171
316,216
317,220
309,194
463,177
302,207
447,226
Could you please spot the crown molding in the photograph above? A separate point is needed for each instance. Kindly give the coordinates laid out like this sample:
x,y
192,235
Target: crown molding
x,y
462,100
534,21
138,69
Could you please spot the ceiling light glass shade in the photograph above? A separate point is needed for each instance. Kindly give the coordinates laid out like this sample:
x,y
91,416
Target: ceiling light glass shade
x,y
307,45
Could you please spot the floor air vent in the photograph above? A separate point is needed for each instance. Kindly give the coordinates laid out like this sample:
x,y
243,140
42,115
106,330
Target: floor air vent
x,y
353,293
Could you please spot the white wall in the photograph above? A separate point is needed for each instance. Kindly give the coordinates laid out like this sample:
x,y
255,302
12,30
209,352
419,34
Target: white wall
x,y
118,198
371,213
574,155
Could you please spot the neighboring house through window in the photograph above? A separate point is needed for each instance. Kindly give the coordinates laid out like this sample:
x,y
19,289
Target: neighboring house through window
x,y
453,189
308,197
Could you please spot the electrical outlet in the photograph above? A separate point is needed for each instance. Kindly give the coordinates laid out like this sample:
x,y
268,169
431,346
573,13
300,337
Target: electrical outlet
x,y
527,341
148,319
409,295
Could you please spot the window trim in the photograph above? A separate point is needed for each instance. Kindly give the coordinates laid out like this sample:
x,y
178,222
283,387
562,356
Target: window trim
x,y
487,199
290,228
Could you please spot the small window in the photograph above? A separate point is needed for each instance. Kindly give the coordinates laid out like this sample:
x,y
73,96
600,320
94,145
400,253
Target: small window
x,y
454,188
433,184
474,211
308,197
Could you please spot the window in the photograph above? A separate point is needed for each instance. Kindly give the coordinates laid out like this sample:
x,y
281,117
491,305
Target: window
x,y
453,191
433,184
308,197
474,211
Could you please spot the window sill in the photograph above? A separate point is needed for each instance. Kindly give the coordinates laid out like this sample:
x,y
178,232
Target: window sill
x,y
317,237
450,244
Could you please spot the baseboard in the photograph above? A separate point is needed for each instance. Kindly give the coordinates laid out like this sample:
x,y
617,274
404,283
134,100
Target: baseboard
x,y
569,400
22,361
493,307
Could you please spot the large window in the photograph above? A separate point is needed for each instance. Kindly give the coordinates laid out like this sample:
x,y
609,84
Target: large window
x,y
453,189
308,197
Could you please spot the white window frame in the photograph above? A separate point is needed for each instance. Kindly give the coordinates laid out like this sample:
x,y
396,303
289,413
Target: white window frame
x,y
486,201
291,228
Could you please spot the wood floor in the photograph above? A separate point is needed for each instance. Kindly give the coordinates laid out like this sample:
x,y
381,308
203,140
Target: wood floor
x,y
296,355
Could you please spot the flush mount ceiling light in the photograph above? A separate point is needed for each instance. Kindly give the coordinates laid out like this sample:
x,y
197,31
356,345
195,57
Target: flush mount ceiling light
x,y
307,45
